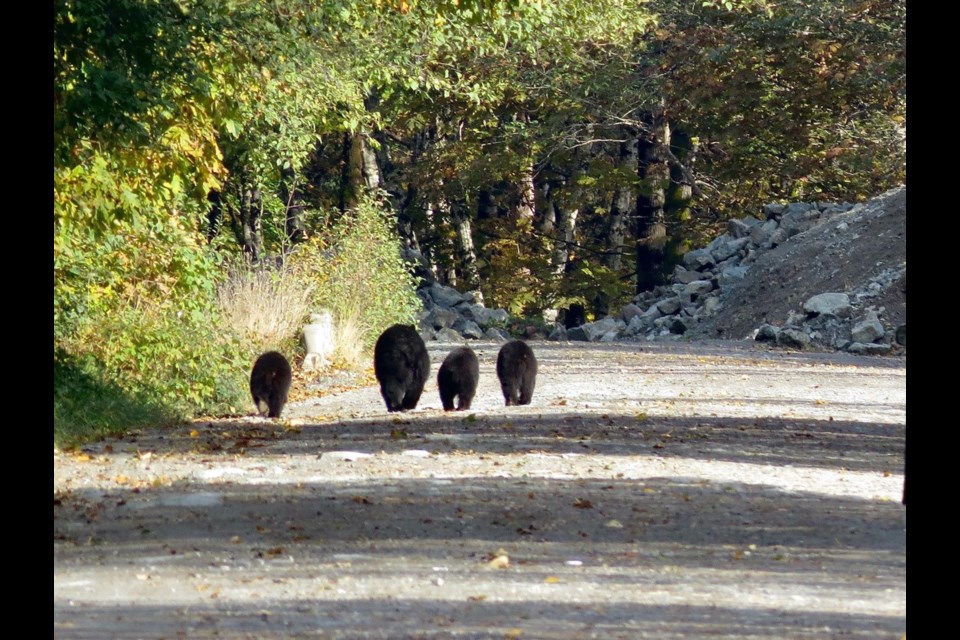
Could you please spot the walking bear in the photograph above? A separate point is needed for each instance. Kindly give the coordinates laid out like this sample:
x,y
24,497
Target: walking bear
x,y
270,383
401,364
458,377
517,370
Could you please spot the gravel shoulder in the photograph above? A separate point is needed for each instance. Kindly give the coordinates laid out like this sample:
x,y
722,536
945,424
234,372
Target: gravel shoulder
x,y
663,490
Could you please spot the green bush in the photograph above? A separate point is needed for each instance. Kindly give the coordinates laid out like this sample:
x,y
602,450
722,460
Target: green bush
x,y
138,337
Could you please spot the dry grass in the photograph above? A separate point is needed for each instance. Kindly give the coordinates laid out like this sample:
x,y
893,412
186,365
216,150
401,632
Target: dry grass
x,y
348,350
267,306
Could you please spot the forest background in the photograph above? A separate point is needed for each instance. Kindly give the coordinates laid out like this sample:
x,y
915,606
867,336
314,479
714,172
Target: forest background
x,y
224,168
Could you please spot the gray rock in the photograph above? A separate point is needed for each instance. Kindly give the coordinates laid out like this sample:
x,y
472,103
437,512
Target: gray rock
x,y
498,316
440,317
750,258
867,330
798,218
865,349
767,333
683,276
835,304
558,333
447,334
760,235
578,334
731,275
639,324
652,313
482,315
669,306
729,249
447,296
794,319
698,288
901,335
741,228
630,311
425,298
498,335
777,238
593,331
698,259
611,335
793,338
711,305
800,209
830,210
468,328
773,211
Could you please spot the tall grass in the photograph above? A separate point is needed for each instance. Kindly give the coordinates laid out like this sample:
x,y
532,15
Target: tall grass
x,y
267,306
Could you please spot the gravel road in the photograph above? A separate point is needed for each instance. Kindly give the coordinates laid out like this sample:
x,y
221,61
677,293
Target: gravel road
x,y
651,490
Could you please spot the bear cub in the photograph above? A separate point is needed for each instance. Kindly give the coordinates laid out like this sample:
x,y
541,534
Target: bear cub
x,y
270,383
401,364
458,377
517,370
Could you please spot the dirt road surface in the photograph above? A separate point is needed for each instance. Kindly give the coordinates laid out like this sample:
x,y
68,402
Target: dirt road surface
x,y
651,490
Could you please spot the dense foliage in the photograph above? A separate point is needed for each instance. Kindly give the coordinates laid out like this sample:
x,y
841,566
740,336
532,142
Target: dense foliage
x,y
543,153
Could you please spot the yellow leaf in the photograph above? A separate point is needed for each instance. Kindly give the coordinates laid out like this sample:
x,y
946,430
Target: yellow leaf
x,y
552,580
194,433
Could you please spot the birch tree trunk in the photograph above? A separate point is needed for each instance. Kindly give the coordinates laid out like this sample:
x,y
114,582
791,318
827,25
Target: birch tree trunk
x,y
526,201
622,205
464,253
360,169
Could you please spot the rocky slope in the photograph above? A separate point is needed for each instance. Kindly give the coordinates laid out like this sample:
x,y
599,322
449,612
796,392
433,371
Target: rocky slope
x,y
821,276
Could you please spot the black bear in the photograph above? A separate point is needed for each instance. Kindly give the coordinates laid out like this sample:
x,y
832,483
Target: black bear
x,y
517,370
270,383
401,364
458,376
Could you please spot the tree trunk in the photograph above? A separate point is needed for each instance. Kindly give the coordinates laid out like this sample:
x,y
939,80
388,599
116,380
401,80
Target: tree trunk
x,y
442,251
215,215
251,212
294,225
622,206
360,169
680,195
654,172
464,253
559,223
525,206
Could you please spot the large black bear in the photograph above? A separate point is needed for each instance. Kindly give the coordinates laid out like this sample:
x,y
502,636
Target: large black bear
x,y
270,383
458,376
401,364
517,370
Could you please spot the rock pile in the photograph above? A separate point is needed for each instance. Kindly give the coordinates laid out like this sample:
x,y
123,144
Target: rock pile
x,y
842,318
451,316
